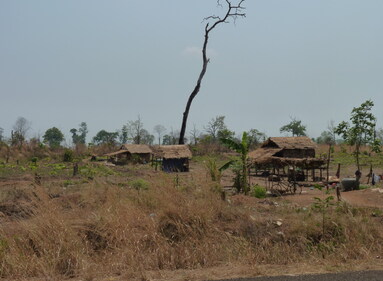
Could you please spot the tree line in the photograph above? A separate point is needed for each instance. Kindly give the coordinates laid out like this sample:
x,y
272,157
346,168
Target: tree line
x,y
359,130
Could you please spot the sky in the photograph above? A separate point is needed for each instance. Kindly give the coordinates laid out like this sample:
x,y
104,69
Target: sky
x,y
108,62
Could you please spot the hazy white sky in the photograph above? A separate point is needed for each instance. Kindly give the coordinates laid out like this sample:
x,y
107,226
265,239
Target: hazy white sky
x,y
106,62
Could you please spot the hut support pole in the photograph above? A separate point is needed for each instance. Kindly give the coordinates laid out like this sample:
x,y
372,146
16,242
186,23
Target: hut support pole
x,y
328,165
369,175
313,174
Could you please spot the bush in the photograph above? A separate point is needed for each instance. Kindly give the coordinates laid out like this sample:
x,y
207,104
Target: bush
x,y
68,155
139,184
34,160
258,191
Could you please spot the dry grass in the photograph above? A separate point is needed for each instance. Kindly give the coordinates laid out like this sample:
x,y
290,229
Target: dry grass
x,y
100,228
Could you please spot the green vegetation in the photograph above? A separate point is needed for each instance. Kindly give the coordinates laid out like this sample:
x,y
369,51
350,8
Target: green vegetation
x,y
239,165
53,137
139,184
68,155
361,131
295,127
258,191
104,137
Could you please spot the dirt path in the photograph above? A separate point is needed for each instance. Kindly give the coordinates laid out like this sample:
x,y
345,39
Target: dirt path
x,y
372,197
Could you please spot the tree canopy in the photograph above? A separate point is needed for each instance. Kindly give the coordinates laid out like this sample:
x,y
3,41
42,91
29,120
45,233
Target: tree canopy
x,y
295,127
79,136
53,137
104,137
360,130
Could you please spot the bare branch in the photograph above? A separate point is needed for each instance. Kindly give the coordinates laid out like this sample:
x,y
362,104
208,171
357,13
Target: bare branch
x,y
233,11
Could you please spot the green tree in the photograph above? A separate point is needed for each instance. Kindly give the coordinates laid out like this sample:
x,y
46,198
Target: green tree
x,y
79,136
53,137
328,136
75,139
255,137
123,135
217,129
240,164
361,129
146,137
379,134
1,134
295,127
171,138
83,130
104,137
325,138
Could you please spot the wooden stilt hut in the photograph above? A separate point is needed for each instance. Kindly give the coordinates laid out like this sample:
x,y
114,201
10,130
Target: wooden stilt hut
x,y
288,157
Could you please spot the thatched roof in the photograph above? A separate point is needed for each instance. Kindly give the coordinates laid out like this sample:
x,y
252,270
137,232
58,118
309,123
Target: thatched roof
x,y
299,162
137,148
132,149
263,154
290,143
116,153
173,151
266,154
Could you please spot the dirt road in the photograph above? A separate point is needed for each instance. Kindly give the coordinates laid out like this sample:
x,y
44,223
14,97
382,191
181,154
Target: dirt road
x,y
345,276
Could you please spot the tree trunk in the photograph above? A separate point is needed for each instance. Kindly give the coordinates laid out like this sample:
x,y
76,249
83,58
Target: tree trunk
x,y
233,11
196,89
357,157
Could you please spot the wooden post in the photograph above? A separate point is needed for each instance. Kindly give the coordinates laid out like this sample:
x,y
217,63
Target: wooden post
x,y
328,166
338,171
75,169
338,193
369,175
37,179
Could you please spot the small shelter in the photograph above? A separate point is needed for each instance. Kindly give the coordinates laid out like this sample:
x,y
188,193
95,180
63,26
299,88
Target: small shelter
x,y
137,153
297,153
175,158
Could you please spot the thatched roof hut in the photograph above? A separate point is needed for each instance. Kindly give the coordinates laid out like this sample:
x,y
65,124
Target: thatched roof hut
x,y
283,151
290,143
137,148
131,152
174,157
173,151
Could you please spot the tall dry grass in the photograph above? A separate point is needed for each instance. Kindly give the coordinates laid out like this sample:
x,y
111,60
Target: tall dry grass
x,y
100,228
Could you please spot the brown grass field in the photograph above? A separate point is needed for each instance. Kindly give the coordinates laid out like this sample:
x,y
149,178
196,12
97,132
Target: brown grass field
x,y
135,223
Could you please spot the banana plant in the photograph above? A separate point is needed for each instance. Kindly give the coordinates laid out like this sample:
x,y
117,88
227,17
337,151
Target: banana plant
x,y
238,164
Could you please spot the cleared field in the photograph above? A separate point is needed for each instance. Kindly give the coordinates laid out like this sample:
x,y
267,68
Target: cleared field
x,y
135,223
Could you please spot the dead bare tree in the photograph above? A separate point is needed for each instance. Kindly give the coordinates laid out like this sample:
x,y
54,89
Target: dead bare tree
x,y
233,12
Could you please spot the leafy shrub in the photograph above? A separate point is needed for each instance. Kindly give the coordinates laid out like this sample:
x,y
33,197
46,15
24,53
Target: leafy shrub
x,y
68,155
34,160
139,184
258,191
212,168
